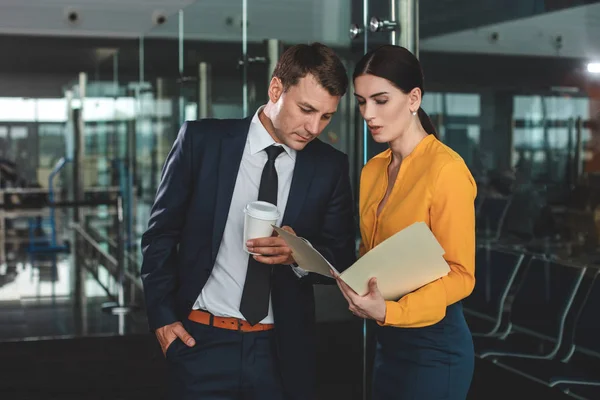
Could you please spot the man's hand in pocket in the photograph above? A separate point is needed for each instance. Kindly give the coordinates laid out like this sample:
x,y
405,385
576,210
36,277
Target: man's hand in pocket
x,y
167,334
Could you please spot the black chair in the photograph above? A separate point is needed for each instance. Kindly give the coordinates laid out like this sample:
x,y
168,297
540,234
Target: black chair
x,y
537,313
580,373
575,367
495,273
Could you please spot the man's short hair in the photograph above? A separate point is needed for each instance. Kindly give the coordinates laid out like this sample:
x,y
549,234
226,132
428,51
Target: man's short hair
x,y
317,60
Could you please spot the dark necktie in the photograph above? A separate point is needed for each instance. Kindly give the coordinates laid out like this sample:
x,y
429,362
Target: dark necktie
x,y
257,288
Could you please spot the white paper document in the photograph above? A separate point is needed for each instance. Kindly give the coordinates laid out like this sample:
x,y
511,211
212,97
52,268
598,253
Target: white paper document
x,y
402,263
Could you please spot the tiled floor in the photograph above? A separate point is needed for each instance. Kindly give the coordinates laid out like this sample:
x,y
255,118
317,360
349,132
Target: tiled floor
x,y
38,301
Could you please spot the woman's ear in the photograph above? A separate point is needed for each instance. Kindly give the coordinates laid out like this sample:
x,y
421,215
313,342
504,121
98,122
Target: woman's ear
x,y
414,98
275,90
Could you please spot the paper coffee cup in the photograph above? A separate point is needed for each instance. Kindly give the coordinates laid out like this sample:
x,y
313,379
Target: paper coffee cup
x,y
258,221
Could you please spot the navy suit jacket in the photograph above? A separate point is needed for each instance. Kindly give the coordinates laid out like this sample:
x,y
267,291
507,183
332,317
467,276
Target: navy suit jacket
x,y
188,219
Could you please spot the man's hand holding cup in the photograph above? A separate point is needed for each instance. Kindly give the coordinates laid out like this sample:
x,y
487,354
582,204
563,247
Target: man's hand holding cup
x,y
259,238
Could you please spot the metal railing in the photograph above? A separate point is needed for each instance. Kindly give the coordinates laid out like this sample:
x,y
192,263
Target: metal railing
x,y
88,251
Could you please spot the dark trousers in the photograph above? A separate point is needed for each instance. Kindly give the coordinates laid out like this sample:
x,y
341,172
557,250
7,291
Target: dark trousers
x,y
223,365
430,363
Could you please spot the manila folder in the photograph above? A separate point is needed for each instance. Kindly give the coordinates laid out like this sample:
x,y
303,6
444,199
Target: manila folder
x,y
306,256
402,263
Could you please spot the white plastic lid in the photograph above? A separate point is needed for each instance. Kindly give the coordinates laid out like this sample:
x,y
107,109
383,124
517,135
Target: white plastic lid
x,y
262,210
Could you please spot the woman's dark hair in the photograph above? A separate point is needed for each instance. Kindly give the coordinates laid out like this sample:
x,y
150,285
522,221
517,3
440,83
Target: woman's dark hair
x,y
401,68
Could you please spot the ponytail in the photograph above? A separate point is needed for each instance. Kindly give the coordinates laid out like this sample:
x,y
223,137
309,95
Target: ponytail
x,y
426,122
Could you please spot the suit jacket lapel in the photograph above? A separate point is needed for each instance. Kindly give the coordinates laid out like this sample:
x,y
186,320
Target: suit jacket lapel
x,y
231,152
301,180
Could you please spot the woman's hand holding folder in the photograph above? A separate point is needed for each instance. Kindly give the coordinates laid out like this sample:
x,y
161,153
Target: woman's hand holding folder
x,y
370,306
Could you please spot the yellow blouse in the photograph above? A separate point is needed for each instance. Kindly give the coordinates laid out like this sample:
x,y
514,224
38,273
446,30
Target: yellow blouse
x,y
435,186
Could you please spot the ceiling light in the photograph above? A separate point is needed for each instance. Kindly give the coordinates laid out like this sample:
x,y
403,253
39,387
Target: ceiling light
x,y
594,67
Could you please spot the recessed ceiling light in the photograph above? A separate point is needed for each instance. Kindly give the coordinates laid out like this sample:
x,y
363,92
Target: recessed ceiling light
x,y
593,67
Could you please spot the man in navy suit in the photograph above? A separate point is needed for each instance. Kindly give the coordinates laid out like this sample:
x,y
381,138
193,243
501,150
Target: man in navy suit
x,y
234,326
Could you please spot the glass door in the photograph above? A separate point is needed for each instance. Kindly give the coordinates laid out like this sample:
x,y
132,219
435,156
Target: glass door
x,y
362,150
374,24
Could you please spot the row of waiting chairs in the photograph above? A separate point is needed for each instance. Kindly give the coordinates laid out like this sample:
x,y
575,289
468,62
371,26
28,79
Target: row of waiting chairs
x,y
538,317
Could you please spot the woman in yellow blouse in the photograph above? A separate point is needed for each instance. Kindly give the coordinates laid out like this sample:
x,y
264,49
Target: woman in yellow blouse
x,y
424,346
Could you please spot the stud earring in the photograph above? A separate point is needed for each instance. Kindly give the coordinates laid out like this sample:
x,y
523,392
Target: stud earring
x,y
414,113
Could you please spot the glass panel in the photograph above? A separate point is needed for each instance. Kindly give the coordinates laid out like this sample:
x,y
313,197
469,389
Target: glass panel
x,y
20,150
212,36
462,104
51,148
547,134
533,134
158,102
4,141
105,102
172,54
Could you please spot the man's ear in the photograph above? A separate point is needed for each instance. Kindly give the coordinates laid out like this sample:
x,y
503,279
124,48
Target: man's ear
x,y
275,90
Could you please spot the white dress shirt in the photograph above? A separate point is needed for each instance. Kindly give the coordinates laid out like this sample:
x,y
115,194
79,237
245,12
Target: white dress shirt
x,y
222,293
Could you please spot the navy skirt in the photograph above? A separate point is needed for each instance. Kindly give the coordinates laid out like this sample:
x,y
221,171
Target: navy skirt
x,y
430,363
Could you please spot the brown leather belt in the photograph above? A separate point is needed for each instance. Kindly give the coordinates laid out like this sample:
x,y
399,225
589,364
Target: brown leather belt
x,y
234,324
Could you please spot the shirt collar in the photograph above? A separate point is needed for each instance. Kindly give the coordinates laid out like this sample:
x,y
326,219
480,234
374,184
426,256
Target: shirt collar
x,y
259,139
